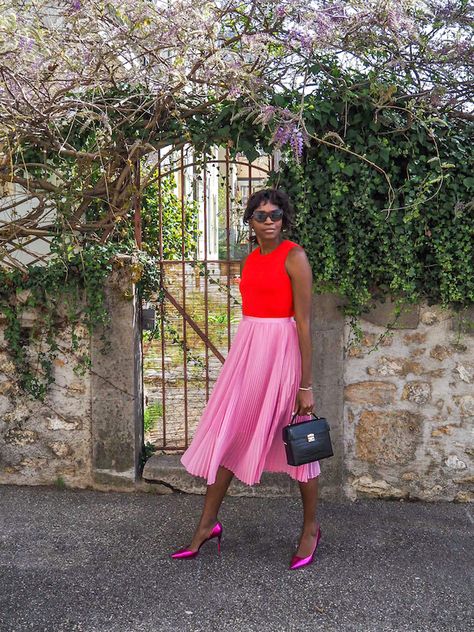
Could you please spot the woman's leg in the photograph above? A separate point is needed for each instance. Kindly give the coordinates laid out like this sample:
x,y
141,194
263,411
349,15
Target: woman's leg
x,y
214,495
309,496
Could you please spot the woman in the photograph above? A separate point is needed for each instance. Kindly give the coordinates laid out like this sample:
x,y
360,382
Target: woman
x,y
265,378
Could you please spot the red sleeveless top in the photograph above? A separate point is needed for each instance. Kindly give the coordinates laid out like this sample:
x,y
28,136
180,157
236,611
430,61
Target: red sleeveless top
x,y
265,286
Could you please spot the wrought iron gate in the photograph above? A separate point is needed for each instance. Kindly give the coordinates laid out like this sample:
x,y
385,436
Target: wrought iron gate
x,y
200,264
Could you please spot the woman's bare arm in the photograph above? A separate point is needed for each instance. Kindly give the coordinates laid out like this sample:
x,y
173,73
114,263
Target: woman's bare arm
x,y
299,271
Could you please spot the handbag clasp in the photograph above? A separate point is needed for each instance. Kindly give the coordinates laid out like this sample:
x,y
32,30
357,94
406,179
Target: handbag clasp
x,y
310,437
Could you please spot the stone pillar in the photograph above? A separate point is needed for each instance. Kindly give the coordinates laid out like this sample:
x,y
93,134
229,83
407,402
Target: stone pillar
x,y
328,383
116,389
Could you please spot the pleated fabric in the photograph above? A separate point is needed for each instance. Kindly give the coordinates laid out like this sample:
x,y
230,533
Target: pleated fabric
x,y
252,400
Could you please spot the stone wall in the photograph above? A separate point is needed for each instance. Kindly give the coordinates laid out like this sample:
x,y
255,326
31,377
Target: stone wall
x,y
401,408
43,443
88,431
409,409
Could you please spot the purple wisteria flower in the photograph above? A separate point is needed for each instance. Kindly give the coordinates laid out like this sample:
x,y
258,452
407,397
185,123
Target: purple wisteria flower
x,y
25,43
337,12
267,114
304,39
281,135
288,133
296,142
234,92
445,8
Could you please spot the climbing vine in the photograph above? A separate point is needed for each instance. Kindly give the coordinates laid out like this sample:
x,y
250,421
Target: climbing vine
x,y
418,246
166,224
67,292
384,203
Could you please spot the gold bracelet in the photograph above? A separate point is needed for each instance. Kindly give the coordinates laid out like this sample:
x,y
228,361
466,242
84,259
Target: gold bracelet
x,y
301,388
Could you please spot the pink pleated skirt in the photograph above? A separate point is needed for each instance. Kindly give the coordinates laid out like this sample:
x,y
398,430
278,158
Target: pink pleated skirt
x,y
252,400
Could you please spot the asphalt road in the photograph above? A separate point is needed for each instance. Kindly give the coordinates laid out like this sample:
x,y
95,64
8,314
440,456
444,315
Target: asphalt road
x,y
99,562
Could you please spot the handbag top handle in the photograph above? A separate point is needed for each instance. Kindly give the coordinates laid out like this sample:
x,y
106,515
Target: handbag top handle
x,y
295,415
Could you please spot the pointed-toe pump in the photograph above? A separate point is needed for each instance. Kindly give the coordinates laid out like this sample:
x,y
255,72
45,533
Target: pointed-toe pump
x,y
299,562
188,554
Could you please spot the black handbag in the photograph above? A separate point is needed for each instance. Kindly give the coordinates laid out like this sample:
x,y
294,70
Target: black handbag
x,y
307,441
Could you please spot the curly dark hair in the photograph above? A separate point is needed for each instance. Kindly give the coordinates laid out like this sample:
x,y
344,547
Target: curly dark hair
x,y
275,196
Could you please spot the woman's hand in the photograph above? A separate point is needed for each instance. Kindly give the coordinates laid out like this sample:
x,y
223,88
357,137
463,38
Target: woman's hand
x,y
304,403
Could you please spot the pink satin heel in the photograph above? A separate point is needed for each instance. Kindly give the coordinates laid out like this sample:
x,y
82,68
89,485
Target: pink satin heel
x,y
188,554
299,562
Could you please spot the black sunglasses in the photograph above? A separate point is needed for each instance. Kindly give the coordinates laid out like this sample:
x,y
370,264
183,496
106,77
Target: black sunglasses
x,y
261,216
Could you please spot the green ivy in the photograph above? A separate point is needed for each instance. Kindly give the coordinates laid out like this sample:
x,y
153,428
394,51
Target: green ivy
x,y
418,247
69,291
170,225
384,201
